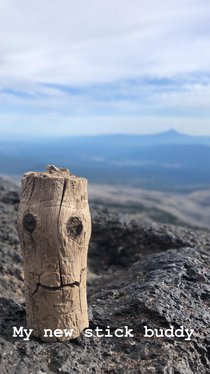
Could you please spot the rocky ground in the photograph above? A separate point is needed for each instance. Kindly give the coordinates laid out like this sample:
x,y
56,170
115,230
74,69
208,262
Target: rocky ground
x,y
140,274
181,209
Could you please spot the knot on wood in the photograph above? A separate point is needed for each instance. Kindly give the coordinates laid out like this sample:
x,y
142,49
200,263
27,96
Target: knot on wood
x,y
74,227
29,222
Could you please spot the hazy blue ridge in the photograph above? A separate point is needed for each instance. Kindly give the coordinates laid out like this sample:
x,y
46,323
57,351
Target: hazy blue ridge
x,y
168,160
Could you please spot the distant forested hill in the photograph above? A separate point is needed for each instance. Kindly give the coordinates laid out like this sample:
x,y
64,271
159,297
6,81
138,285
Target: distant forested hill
x,y
165,161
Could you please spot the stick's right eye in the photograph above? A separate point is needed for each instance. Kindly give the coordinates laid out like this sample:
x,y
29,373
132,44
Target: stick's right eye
x,y
29,222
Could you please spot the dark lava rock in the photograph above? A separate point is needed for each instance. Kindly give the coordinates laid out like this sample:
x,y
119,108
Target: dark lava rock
x,y
9,192
167,289
11,272
117,242
142,274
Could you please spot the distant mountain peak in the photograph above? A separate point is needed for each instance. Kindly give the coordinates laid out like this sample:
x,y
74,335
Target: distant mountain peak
x,y
172,131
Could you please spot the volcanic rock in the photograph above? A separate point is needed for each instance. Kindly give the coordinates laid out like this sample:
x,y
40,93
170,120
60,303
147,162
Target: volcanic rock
x,y
142,276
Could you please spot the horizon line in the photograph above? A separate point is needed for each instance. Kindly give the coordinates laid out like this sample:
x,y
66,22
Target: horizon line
x,y
44,137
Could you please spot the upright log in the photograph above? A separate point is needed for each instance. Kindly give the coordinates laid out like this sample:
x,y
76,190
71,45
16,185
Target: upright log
x,y
54,228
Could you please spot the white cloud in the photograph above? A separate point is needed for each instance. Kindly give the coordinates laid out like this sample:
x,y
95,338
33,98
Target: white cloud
x,y
87,42
108,50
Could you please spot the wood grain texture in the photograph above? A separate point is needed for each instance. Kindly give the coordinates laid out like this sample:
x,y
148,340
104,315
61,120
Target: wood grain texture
x,y
54,227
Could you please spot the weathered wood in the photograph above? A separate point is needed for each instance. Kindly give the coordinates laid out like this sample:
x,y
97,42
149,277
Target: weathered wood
x,y
54,228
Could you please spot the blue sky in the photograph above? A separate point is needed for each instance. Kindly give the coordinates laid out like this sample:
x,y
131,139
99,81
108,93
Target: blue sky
x,y
77,68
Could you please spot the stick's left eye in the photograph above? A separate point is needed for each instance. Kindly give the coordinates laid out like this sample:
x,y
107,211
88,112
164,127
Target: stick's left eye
x,y
29,222
74,226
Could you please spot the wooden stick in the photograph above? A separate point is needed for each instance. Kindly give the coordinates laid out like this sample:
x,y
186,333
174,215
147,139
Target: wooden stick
x,y
54,227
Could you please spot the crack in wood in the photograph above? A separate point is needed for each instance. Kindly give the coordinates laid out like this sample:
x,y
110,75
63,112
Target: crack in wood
x,y
64,189
32,190
59,260
55,288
